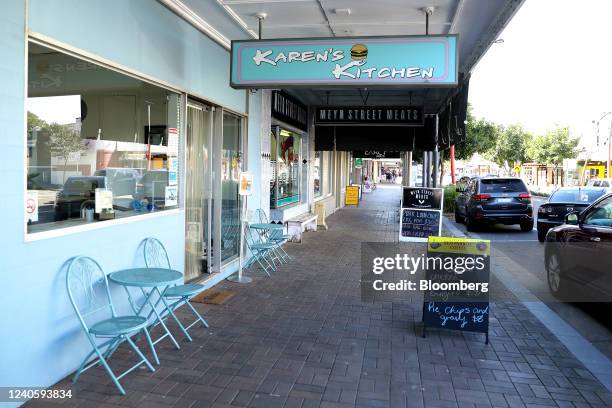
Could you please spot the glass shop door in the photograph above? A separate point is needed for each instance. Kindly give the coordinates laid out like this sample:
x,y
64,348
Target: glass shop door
x,y
198,197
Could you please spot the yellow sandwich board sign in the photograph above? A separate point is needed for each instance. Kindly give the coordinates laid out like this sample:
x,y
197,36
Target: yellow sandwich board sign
x,y
352,195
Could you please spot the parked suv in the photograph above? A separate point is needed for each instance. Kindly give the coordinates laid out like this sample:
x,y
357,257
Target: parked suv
x,y
77,191
494,200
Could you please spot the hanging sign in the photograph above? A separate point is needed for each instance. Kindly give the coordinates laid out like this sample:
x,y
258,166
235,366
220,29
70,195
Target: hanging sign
x,y
457,297
421,213
358,163
352,195
376,154
369,115
289,110
245,184
349,61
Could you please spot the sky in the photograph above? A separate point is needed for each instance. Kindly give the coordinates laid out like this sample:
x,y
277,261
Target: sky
x,y
59,109
553,68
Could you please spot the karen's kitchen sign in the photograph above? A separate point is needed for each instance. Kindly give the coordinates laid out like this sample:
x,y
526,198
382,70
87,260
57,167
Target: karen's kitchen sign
x,y
355,61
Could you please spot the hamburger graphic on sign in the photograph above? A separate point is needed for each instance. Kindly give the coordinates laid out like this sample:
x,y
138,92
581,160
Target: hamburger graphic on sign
x,y
359,52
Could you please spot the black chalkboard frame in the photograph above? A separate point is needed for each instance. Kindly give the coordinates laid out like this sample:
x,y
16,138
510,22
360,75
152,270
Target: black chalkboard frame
x,y
480,304
403,238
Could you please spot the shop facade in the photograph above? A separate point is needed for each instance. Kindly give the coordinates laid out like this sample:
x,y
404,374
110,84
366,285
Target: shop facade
x,y
112,136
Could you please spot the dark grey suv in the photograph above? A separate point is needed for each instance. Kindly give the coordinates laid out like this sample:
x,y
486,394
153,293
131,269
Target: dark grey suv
x,y
494,200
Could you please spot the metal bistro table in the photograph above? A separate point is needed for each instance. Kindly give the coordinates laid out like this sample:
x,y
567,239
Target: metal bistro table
x,y
267,226
149,280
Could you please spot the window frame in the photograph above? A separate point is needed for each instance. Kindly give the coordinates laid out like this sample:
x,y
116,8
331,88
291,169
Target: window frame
x,y
326,178
88,57
275,133
592,210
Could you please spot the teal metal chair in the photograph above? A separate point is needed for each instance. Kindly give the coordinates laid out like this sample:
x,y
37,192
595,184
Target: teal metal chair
x,y
90,296
275,236
156,256
262,252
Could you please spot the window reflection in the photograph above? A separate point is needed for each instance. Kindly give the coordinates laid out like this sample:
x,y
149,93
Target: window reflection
x,y
285,181
231,167
101,145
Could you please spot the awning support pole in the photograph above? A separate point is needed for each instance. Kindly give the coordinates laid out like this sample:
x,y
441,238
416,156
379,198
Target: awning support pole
x,y
261,17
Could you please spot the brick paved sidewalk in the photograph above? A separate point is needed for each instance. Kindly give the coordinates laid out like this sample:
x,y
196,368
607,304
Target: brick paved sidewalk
x,y
303,338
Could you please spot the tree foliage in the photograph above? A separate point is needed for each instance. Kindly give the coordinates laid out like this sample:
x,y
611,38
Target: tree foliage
x,y
35,121
480,137
510,147
64,141
554,146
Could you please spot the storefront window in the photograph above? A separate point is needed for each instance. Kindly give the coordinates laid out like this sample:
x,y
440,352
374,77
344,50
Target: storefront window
x,y
285,184
322,174
101,145
230,210
317,170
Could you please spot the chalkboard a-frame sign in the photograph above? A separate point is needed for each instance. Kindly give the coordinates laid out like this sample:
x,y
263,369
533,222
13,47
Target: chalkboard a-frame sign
x,y
463,310
421,213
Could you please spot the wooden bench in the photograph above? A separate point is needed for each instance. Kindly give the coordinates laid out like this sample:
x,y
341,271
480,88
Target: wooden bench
x,y
297,225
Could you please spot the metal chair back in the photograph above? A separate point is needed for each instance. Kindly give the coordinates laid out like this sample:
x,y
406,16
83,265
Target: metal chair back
x,y
88,290
155,254
263,218
261,215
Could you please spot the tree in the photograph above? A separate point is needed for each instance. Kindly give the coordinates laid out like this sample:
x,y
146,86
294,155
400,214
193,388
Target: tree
x,y
552,147
63,142
480,136
510,147
35,121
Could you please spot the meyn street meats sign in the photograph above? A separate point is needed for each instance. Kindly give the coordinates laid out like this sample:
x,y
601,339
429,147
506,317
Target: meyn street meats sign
x,y
372,115
349,61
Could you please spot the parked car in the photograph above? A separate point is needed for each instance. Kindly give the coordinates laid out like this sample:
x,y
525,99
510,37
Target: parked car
x,y
563,201
152,185
600,182
122,181
77,192
494,200
577,253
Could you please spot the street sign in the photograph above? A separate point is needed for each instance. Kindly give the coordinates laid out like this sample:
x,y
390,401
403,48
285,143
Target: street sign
x,y
458,285
421,213
345,61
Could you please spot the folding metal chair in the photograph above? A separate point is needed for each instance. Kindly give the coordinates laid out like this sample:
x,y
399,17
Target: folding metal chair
x,y
90,296
275,236
156,256
260,251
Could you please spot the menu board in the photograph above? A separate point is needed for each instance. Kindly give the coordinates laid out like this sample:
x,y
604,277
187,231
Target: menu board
x,y
458,295
419,223
421,213
352,195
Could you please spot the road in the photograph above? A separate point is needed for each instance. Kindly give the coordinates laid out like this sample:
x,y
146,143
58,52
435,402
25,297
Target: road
x,y
523,256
